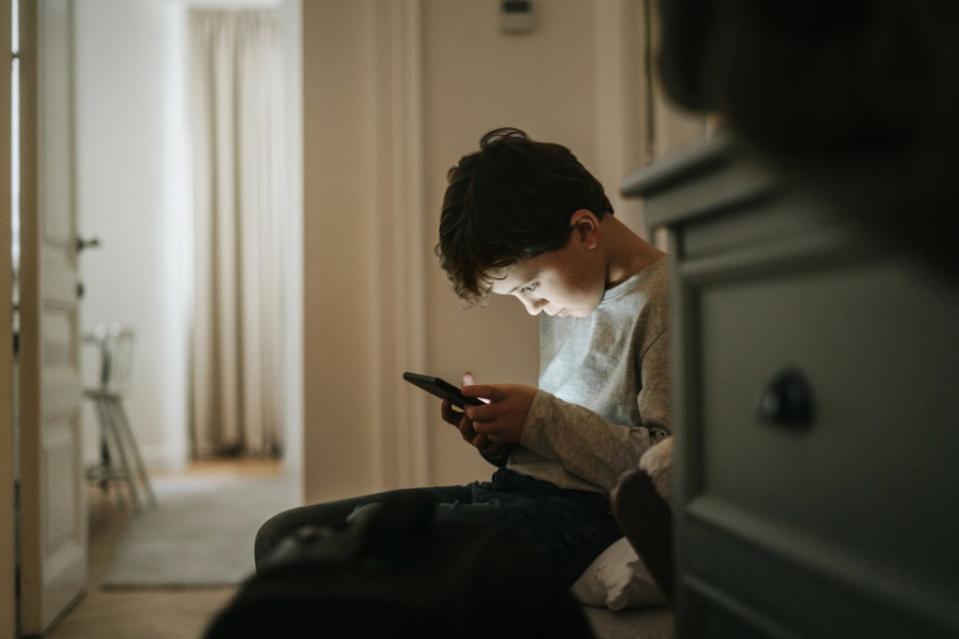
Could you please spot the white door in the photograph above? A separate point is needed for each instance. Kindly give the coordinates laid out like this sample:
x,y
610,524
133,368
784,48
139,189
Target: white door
x,y
52,498
7,599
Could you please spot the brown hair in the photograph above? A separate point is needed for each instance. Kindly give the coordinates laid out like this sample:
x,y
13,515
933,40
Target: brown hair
x,y
507,202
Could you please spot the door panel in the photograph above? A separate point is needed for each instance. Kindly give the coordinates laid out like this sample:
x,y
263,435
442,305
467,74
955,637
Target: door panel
x,y
7,557
53,510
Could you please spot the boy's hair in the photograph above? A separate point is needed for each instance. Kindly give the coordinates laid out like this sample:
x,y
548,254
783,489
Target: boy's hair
x,y
507,202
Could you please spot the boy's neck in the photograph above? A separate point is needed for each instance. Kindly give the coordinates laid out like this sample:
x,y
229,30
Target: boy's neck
x,y
626,253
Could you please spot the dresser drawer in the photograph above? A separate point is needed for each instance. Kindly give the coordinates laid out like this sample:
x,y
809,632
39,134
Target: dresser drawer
x,y
712,613
770,593
873,474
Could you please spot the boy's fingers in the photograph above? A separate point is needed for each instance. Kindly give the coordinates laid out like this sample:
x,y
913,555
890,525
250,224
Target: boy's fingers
x,y
486,428
496,449
468,379
486,413
466,430
483,390
450,416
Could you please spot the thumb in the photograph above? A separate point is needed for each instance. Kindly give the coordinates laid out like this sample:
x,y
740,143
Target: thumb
x,y
468,379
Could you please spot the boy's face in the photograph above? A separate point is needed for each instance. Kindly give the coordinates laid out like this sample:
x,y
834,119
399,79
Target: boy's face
x,y
568,282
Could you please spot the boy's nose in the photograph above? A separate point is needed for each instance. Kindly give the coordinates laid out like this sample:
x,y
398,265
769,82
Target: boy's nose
x,y
534,306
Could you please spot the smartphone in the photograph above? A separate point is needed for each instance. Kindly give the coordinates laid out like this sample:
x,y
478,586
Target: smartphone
x,y
442,389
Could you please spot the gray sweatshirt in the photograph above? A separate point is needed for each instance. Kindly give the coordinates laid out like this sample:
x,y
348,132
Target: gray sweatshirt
x,y
603,395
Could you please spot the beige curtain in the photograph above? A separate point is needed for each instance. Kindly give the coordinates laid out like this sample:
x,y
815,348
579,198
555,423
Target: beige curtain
x,y
236,104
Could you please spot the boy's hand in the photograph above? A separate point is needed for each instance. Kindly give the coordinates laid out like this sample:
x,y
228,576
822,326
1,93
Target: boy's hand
x,y
465,426
503,417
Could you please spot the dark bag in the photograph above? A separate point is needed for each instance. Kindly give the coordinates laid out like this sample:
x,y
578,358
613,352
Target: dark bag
x,y
397,572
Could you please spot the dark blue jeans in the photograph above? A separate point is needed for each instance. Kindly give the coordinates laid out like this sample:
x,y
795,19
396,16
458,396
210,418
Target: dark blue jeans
x,y
568,528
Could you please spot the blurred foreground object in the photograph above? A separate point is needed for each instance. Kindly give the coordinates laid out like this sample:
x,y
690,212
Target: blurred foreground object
x,y
393,571
856,100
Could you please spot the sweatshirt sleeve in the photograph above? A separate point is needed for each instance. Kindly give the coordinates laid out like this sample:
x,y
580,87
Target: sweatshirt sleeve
x,y
589,446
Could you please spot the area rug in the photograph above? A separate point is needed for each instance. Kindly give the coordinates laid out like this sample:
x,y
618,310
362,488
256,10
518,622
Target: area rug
x,y
200,534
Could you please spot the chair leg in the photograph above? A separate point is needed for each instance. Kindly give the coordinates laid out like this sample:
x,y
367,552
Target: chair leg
x,y
124,462
105,462
124,424
106,443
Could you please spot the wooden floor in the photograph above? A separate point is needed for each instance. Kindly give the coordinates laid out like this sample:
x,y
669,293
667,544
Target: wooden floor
x,y
143,614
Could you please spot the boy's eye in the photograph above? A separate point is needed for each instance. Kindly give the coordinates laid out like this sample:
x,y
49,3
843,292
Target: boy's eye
x,y
529,288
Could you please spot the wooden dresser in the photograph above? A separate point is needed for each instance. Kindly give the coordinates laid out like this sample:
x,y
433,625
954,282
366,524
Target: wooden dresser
x,y
816,406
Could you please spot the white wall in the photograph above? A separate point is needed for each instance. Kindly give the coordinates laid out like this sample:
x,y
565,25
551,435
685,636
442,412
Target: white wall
x,y
134,192
293,400
131,193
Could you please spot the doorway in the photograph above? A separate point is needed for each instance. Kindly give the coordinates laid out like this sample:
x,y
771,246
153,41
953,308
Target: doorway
x,y
134,203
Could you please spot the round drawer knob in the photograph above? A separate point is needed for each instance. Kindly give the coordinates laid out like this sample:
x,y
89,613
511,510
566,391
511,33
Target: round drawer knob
x,y
787,400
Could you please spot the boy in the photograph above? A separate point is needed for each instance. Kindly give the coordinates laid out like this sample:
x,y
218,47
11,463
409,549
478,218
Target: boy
x,y
526,219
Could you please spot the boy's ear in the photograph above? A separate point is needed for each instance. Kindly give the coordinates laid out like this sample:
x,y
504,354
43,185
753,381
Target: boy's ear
x,y
586,225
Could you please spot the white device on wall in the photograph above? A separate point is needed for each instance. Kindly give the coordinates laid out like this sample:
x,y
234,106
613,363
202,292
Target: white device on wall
x,y
516,16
